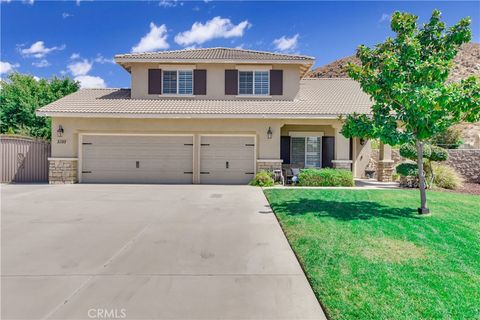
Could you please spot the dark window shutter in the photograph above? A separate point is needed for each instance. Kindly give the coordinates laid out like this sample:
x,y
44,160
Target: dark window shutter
x,y
276,82
231,82
328,151
200,82
154,81
285,149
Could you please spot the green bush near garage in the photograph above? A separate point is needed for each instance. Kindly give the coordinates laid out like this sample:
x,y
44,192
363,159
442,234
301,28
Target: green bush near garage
x,y
325,178
263,179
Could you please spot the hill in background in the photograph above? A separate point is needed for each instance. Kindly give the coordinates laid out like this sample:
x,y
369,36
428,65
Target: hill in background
x,y
466,63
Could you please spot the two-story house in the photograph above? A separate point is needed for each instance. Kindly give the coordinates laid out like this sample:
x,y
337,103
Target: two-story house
x,y
214,115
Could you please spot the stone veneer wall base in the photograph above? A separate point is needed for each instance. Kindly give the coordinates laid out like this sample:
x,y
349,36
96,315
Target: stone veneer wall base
x,y
342,164
269,165
62,171
385,170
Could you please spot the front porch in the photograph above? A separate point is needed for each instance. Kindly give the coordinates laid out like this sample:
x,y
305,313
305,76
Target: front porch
x,y
311,145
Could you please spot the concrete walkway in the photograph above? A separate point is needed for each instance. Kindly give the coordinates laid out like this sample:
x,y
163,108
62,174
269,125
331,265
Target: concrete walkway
x,y
147,252
360,184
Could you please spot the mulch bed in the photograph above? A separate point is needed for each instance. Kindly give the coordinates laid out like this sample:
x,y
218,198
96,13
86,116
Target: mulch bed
x,y
468,187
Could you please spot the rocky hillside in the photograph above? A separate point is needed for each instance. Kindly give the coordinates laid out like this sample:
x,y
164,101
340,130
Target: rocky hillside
x,y
466,63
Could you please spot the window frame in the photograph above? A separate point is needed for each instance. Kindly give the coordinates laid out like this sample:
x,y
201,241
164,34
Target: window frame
x,y
253,94
177,71
305,137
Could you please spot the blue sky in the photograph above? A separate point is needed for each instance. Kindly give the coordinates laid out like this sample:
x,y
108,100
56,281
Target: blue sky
x,y
80,38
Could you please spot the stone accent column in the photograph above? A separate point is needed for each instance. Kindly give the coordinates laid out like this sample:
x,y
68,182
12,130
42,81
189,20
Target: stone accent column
x,y
62,170
385,170
342,164
269,164
385,164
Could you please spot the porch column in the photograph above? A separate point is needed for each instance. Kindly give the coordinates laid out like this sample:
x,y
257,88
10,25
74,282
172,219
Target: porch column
x,y
385,163
342,150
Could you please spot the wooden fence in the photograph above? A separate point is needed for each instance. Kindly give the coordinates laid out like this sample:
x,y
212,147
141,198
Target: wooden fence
x,y
23,159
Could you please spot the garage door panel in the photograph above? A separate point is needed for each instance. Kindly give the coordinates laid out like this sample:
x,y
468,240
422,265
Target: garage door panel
x,y
161,159
216,151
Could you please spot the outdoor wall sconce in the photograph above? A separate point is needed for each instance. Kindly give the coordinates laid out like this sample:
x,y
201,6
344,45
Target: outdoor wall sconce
x,y
269,133
362,141
60,131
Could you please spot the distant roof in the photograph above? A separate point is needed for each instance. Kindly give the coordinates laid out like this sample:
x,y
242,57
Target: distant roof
x,y
317,98
218,55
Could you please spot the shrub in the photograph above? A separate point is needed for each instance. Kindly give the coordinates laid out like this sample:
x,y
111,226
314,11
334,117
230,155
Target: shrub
x,y
409,151
262,179
446,177
450,139
325,178
438,154
407,169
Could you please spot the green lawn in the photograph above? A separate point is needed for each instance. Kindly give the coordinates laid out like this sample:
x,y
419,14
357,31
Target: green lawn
x,y
368,255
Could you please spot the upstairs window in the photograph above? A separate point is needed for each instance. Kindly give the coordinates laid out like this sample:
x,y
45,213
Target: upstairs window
x,y
177,82
253,82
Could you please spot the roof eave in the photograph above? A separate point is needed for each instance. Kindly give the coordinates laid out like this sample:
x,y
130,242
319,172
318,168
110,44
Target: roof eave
x,y
305,65
184,116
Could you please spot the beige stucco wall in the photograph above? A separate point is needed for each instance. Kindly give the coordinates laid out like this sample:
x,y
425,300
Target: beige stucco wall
x,y
266,148
361,156
215,80
326,129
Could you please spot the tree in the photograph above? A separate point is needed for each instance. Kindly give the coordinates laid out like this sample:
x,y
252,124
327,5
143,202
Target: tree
x,y
406,79
431,153
21,95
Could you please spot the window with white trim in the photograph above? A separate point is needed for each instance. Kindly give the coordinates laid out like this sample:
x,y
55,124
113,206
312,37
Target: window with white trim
x,y
177,82
306,151
253,82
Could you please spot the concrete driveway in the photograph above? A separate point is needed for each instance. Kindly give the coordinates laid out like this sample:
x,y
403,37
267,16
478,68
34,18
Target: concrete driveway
x,y
147,252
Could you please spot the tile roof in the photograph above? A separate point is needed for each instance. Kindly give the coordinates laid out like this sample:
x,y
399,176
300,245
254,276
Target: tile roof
x,y
209,54
317,98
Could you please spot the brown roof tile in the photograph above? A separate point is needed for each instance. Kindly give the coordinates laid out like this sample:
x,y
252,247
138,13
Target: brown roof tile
x,y
317,98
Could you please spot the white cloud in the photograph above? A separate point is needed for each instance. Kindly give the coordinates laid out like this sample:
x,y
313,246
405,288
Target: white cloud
x,y
80,68
91,81
384,17
218,27
155,39
36,78
286,44
6,67
75,56
102,60
5,1
168,3
41,64
38,50
30,2
66,15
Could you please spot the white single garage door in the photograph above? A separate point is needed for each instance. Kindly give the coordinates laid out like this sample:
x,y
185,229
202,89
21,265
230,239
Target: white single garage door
x,y
227,159
137,159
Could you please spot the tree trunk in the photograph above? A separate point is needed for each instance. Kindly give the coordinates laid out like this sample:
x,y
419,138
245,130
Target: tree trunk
x,y
421,177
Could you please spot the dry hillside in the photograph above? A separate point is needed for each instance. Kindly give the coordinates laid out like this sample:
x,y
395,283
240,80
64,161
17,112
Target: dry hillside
x,y
466,63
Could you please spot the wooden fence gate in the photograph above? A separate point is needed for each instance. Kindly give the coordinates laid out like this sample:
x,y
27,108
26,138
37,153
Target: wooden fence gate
x,y
23,159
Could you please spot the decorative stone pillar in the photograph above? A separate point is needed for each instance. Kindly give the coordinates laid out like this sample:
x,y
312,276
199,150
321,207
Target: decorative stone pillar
x,y
62,170
385,164
269,164
385,170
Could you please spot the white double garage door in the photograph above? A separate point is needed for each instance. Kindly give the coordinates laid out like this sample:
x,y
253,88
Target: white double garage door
x,y
216,159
